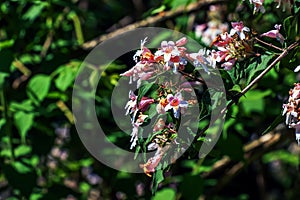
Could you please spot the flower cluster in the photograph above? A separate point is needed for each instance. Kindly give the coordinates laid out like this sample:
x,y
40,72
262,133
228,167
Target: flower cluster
x,y
259,7
292,110
165,83
275,33
167,95
169,56
233,46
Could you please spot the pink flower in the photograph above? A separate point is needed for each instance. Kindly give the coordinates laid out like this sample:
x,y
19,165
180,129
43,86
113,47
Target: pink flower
x,y
181,42
144,53
258,6
168,50
152,162
131,104
135,129
145,103
170,54
203,58
291,111
239,28
229,64
132,107
222,40
176,103
275,34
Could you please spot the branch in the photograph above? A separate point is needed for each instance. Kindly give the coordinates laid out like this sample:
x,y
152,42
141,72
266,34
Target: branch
x,y
281,56
150,21
251,84
267,44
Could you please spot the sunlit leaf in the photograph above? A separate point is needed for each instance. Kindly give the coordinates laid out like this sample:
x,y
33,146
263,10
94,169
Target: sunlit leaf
x,y
282,155
34,11
23,121
64,79
253,101
22,150
38,87
167,193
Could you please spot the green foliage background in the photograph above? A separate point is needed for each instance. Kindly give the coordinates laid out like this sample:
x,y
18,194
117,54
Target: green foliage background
x,y
40,53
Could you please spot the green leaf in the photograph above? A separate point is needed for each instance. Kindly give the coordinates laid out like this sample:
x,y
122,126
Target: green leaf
x,y
236,88
36,196
84,187
257,65
6,44
23,122
22,150
158,177
64,79
253,101
177,3
32,161
291,26
38,87
2,79
158,10
34,11
6,153
86,162
164,194
21,168
283,156
144,89
25,106
137,150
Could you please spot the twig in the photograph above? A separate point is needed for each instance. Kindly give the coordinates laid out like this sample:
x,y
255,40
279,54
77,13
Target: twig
x,y
150,21
281,56
267,44
191,76
8,121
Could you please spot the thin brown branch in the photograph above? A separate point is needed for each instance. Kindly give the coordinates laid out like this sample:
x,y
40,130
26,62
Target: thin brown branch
x,y
150,21
261,75
268,44
191,76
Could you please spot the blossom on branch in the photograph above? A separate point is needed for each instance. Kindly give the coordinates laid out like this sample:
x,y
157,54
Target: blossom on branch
x,y
274,34
176,103
291,110
233,47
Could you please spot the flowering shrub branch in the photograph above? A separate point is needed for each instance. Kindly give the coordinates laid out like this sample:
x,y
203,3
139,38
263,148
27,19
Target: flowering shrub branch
x,y
250,85
170,96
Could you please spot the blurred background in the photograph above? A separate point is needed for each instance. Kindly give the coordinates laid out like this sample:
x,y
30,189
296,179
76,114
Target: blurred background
x,y
43,43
